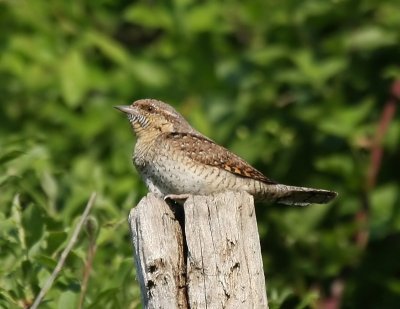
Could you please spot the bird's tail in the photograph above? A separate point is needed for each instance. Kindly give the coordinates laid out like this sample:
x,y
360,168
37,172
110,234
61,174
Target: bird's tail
x,y
300,196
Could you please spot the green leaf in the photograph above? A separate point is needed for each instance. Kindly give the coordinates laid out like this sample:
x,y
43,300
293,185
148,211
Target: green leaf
x,y
67,300
203,17
150,16
383,206
344,121
149,73
339,164
369,38
46,261
109,47
73,77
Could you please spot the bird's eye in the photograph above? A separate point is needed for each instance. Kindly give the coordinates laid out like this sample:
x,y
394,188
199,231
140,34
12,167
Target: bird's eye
x,y
150,108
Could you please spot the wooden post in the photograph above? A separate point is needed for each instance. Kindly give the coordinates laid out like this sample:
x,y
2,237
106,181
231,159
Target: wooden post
x,y
203,254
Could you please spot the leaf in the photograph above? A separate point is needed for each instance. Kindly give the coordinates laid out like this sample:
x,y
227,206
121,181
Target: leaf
x,y
309,218
268,56
47,261
339,164
67,300
50,186
10,155
369,38
55,240
73,77
149,73
317,72
343,122
110,48
202,18
150,16
308,300
383,206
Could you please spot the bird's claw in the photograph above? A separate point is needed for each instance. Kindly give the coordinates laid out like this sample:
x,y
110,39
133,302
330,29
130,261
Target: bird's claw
x,y
176,197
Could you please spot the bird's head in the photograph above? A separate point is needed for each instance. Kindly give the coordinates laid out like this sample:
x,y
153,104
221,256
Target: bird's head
x,y
155,117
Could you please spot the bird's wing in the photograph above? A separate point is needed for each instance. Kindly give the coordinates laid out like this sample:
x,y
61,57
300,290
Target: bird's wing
x,y
205,151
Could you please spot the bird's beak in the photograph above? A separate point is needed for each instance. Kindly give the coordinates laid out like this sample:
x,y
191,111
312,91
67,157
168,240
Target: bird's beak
x,y
125,109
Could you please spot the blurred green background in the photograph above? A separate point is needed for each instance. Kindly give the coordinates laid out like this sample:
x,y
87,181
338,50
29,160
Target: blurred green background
x,y
304,90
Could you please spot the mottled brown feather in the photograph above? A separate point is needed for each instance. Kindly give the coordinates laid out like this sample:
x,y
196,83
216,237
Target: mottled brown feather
x,y
205,151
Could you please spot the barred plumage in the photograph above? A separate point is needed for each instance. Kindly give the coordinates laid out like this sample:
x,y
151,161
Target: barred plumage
x,y
176,160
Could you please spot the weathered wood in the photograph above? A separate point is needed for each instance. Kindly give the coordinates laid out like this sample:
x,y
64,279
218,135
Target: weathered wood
x,y
225,267
214,262
159,254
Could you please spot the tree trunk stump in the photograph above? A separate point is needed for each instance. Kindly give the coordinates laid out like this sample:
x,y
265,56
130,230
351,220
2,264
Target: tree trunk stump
x,y
202,254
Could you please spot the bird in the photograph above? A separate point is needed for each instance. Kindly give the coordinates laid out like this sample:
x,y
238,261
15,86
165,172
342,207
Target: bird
x,y
176,161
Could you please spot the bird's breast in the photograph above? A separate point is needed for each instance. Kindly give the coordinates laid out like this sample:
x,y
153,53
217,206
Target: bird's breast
x,y
171,173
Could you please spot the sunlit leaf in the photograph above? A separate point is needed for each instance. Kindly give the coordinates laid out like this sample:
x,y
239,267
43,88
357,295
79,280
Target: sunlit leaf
x,y
73,77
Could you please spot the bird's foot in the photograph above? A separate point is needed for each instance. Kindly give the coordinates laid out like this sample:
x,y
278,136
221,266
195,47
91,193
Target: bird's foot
x,y
176,197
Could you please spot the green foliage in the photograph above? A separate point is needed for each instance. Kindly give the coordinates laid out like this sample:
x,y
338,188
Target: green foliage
x,y
295,87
